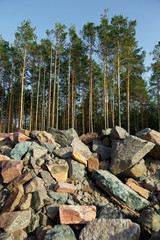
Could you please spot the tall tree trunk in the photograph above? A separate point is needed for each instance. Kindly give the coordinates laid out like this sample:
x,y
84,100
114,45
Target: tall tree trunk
x,y
69,75
44,97
91,90
22,86
141,110
49,92
113,103
104,91
127,93
1,116
158,106
10,106
83,124
32,93
39,78
58,91
118,85
54,86
73,96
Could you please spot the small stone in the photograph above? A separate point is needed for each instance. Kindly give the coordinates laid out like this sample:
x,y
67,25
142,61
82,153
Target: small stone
x,y
64,152
34,222
138,170
48,146
22,179
38,199
25,202
59,198
78,157
19,137
41,232
40,162
48,180
88,137
14,221
71,214
106,142
93,164
108,212
141,191
64,187
11,169
104,152
76,170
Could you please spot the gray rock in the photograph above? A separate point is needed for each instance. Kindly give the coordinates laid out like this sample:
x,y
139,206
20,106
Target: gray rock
x,y
6,236
76,170
119,133
63,137
104,152
38,199
63,152
109,229
126,153
60,232
39,152
34,133
108,212
48,146
52,211
59,198
143,132
33,163
150,220
81,148
155,236
47,178
114,187
20,150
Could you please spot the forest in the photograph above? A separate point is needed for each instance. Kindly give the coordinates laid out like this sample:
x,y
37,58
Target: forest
x,y
89,81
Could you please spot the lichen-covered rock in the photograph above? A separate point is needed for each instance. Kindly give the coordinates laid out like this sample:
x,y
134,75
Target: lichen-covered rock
x,y
114,187
14,221
59,170
60,232
20,150
126,153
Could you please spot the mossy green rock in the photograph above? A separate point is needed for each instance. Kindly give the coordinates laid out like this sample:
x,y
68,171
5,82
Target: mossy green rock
x,y
20,150
114,187
60,232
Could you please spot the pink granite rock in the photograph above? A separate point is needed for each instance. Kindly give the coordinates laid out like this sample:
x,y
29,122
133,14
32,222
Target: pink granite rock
x,y
64,187
11,169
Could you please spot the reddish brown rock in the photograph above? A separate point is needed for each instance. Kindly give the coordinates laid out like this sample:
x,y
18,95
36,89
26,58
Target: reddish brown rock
x,y
93,164
45,137
20,235
19,137
141,191
88,137
22,179
3,159
11,169
79,158
23,131
104,165
64,187
153,136
70,214
13,199
14,221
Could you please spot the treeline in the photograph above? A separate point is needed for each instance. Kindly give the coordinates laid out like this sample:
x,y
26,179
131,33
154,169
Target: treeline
x,y
89,81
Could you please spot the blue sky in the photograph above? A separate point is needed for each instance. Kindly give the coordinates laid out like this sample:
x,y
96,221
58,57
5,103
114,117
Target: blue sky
x,y
45,13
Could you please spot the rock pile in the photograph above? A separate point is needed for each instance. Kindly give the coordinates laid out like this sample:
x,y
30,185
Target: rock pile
x,y
56,185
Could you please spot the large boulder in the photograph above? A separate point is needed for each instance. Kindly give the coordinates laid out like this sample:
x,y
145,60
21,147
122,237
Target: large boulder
x,y
63,137
108,229
20,150
81,148
114,187
60,232
126,153
153,136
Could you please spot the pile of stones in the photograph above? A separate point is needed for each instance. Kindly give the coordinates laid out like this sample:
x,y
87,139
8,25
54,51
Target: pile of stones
x,y
56,185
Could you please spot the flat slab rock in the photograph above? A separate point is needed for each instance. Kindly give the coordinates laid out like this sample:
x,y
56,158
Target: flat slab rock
x,y
71,214
114,187
109,229
126,153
